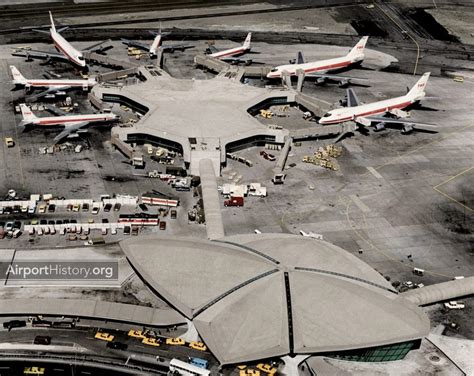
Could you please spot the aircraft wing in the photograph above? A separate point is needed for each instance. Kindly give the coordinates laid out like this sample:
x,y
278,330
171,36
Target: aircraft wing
x,y
39,54
41,94
352,99
98,47
379,122
133,43
235,60
174,47
335,77
68,129
388,120
55,110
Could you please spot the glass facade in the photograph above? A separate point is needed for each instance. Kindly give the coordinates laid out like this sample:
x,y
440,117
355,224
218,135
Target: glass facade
x,y
386,353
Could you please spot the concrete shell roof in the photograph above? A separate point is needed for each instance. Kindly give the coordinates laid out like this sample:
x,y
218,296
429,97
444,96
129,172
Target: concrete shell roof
x,y
258,296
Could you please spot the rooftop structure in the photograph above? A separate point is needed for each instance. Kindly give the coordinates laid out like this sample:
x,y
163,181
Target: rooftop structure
x,y
258,296
91,309
202,119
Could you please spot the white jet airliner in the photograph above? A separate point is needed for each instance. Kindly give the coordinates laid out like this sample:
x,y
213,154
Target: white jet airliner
x,y
388,111
156,45
53,87
321,68
71,123
226,55
67,51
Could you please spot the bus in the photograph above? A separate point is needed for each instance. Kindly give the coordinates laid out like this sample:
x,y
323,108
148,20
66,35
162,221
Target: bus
x,y
182,368
143,219
198,362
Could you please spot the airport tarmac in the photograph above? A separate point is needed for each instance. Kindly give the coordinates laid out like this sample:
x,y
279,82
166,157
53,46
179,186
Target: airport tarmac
x,y
392,203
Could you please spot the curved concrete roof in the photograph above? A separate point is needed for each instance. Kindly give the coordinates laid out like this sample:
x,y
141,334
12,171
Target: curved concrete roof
x,y
92,309
258,296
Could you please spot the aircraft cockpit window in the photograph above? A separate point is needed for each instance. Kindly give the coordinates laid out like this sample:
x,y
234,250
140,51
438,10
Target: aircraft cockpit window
x,y
274,70
327,115
80,57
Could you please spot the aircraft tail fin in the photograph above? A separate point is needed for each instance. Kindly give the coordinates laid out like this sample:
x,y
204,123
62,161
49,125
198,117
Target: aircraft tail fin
x,y
28,116
358,49
18,78
52,21
299,58
247,41
418,90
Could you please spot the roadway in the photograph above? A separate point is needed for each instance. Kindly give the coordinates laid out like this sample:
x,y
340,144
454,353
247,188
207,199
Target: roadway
x,y
82,337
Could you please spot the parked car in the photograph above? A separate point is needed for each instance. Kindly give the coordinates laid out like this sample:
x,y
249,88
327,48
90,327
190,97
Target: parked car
x,y
51,208
117,345
267,156
117,206
9,226
42,340
107,207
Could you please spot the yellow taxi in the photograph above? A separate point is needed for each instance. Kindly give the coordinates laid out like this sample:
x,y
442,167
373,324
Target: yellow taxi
x,y
136,334
198,346
9,142
249,372
104,336
175,341
33,371
151,341
267,368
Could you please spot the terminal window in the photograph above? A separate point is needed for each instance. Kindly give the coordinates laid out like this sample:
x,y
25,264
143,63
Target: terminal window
x,y
377,354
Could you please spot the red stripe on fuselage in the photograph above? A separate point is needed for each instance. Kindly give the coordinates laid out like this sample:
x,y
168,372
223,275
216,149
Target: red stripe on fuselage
x,y
230,53
33,83
61,121
330,66
316,69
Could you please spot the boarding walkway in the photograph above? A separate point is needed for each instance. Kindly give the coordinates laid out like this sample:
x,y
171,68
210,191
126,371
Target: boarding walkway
x,y
210,197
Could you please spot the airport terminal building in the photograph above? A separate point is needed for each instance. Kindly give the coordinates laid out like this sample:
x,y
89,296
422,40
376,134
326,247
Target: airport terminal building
x,y
263,296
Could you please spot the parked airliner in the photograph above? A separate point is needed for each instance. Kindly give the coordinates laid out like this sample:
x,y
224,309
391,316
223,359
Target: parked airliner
x,y
321,68
67,51
53,87
226,55
156,45
388,111
71,123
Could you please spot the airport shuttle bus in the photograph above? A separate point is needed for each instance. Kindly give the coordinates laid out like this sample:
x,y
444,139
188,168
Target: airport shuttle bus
x,y
143,219
179,367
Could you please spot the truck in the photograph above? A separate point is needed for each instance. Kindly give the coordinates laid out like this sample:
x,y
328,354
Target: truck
x,y
181,184
256,189
138,162
234,201
279,178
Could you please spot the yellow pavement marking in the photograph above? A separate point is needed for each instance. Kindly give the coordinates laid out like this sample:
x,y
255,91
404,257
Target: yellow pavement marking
x,y
436,188
406,33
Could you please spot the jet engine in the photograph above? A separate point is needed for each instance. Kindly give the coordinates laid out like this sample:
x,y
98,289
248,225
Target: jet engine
x,y
407,128
379,127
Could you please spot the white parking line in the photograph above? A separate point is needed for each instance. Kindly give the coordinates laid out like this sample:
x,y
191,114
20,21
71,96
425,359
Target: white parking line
x,y
374,172
364,208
